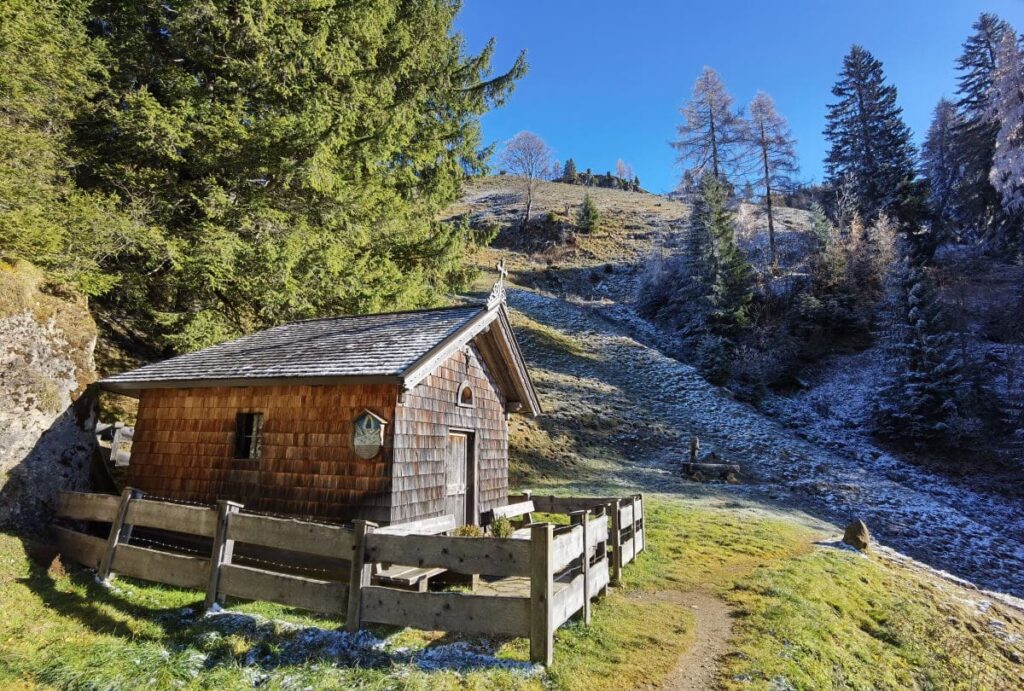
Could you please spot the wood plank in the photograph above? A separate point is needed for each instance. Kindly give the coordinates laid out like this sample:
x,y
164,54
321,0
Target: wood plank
x,y
566,505
597,531
84,506
163,567
297,536
480,614
568,601
626,515
510,511
598,576
542,630
424,526
638,541
315,595
567,547
194,520
627,551
83,549
480,555
119,532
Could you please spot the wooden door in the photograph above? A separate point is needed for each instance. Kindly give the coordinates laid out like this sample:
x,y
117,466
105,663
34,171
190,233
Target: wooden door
x,y
457,476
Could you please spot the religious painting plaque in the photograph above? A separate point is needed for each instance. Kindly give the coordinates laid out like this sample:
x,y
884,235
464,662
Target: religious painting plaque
x,y
367,434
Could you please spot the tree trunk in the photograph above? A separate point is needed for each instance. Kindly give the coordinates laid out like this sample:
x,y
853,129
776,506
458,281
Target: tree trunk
x,y
529,203
772,261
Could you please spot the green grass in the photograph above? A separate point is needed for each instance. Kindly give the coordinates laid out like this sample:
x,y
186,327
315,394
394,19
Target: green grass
x,y
63,630
836,619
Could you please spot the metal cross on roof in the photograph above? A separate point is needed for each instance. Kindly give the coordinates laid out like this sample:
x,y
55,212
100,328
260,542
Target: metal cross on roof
x,y
498,291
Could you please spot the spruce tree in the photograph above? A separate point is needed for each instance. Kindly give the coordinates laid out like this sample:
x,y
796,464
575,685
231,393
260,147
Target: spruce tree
x,y
569,173
589,218
921,398
733,284
294,160
941,169
51,73
978,206
1007,109
870,144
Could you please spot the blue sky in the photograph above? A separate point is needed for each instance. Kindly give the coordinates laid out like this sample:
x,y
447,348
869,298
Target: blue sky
x,y
607,78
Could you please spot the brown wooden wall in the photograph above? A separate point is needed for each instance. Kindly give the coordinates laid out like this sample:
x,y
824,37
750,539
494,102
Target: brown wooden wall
x,y
184,448
422,422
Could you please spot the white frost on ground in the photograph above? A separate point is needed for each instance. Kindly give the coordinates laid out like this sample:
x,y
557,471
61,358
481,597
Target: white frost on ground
x,y
820,463
293,645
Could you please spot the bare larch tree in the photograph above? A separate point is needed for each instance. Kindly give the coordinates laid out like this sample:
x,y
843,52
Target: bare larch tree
x,y
775,147
713,137
528,157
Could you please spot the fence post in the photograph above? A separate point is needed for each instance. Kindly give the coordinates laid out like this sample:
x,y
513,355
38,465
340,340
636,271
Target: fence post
x,y
615,530
359,574
583,518
542,588
602,547
119,532
223,548
528,496
639,522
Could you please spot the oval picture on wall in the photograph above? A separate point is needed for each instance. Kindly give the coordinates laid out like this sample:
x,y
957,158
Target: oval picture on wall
x,y
367,434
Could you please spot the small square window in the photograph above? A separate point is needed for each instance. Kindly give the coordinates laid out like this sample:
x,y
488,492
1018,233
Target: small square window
x,y
248,435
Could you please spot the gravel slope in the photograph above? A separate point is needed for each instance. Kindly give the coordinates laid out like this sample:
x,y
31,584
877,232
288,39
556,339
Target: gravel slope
x,y
970,534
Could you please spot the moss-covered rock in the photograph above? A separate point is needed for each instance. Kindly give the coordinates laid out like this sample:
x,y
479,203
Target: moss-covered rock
x,y
46,420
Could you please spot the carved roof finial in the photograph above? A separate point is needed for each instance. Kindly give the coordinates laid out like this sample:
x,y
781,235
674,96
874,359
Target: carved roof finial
x,y
498,291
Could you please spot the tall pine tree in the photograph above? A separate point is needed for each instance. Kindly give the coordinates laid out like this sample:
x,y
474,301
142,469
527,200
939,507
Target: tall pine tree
x,y
1007,109
871,148
294,159
978,205
921,399
941,168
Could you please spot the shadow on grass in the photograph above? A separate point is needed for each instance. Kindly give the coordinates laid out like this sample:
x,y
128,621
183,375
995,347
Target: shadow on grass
x,y
232,638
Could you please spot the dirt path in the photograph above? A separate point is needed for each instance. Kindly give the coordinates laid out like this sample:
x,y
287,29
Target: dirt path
x,y
697,668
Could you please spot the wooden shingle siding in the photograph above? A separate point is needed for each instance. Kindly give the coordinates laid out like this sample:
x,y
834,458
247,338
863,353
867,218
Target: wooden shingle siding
x,y
184,449
422,422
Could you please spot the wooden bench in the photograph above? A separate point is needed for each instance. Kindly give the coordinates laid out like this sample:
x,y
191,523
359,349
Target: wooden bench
x,y
413,577
522,509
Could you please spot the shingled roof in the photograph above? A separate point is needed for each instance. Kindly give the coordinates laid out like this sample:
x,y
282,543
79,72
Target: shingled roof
x,y
397,346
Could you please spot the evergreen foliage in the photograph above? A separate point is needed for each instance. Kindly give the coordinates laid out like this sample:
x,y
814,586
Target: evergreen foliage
x,y
569,173
871,148
921,401
941,168
1007,109
706,292
289,161
978,206
589,218
49,77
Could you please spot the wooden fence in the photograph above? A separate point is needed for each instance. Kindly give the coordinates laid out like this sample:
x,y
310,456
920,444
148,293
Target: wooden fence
x,y
562,568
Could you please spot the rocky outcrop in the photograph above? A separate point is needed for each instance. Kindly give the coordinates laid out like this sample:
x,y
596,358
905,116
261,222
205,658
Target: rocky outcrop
x,y
46,416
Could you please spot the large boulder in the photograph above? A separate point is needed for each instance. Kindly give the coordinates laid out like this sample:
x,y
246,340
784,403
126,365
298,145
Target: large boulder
x,y
857,535
46,416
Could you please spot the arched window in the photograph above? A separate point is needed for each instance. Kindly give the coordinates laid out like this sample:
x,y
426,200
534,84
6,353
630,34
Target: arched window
x,y
465,395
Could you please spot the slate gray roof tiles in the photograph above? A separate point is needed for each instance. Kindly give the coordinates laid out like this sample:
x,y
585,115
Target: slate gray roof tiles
x,y
369,345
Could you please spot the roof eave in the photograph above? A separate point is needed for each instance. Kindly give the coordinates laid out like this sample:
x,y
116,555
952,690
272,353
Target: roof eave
x,y
130,388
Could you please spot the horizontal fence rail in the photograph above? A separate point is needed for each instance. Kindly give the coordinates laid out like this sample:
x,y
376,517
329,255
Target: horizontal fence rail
x,y
566,566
